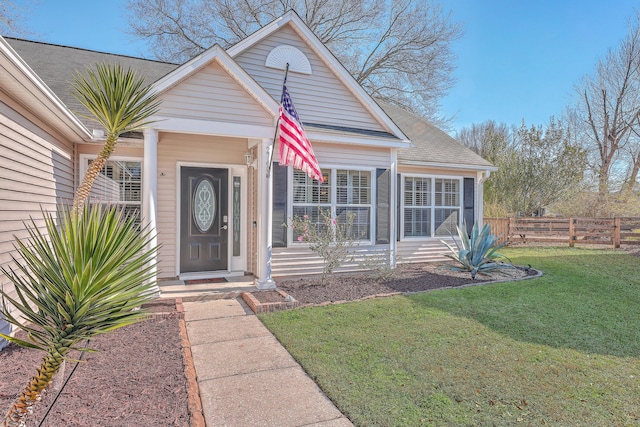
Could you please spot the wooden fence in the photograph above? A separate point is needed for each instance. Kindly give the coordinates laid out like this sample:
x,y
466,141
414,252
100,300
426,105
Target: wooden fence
x,y
571,231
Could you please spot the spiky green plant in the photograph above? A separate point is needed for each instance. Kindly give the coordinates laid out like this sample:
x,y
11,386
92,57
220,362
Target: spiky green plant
x,y
96,266
83,275
121,102
477,253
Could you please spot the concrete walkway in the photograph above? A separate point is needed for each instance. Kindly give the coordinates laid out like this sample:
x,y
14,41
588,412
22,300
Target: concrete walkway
x,y
246,378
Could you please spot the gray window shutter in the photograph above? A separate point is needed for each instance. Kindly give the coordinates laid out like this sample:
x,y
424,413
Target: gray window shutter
x,y
468,203
279,233
383,206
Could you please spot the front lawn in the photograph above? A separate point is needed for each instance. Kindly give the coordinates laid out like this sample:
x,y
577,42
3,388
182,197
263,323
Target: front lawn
x,y
562,349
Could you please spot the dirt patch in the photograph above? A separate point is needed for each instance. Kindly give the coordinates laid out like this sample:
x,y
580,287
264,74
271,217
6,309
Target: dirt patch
x,y
406,278
135,379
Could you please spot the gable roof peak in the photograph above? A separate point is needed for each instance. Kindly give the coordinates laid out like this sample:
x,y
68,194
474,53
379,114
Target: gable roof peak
x,y
217,54
292,19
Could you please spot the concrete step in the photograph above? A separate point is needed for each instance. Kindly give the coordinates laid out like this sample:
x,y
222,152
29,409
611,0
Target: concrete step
x,y
214,290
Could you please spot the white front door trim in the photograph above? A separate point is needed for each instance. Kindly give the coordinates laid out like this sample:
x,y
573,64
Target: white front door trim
x,y
236,265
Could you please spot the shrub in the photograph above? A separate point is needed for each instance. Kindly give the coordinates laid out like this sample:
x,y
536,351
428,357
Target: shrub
x,y
379,266
331,240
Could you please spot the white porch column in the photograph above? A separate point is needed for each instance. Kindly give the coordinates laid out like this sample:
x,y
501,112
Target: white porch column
x,y
265,212
481,177
150,189
393,226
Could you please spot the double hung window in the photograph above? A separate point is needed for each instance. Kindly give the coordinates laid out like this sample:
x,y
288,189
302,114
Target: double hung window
x,y
431,206
345,197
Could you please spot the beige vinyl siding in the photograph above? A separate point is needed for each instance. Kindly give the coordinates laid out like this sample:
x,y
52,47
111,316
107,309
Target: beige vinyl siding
x,y
299,260
92,150
348,155
211,94
36,172
428,250
319,97
193,149
120,151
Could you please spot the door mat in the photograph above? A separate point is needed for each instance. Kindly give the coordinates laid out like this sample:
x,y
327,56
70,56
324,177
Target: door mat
x,y
203,281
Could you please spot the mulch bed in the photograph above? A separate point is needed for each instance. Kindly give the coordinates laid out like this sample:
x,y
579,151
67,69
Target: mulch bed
x,y
407,278
136,378
265,297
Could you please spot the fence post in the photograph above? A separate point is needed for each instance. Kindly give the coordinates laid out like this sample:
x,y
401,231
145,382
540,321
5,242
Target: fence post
x,y
616,232
572,232
510,227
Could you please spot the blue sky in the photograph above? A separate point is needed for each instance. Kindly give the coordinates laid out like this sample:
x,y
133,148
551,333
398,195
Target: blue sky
x,y
518,59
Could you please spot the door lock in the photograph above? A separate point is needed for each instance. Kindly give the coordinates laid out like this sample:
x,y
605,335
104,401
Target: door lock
x,y
224,227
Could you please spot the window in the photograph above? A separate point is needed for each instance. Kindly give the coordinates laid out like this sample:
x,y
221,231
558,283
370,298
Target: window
x,y
119,183
431,206
417,207
345,194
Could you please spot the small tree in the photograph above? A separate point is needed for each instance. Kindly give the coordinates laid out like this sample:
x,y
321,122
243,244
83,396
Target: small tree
x,y
92,267
327,237
119,100
537,166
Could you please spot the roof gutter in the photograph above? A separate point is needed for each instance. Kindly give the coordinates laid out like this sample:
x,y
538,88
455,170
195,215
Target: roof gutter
x,y
488,169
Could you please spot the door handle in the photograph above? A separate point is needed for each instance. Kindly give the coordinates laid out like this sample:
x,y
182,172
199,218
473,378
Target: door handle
x,y
224,227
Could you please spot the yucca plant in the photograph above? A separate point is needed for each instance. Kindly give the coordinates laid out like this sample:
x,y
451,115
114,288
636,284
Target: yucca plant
x,y
91,267
121,102
83,275
477,253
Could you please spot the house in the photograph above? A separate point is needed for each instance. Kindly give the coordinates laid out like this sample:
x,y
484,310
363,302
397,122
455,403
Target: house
x,y
199,173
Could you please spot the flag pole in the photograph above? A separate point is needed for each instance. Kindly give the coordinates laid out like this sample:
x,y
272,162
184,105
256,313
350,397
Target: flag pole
x,y
275,133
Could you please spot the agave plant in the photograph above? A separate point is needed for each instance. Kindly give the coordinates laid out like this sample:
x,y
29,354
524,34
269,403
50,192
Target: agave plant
x,y
477,253
83,275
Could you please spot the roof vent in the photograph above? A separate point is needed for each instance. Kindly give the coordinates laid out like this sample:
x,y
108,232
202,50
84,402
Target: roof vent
x,y
282,55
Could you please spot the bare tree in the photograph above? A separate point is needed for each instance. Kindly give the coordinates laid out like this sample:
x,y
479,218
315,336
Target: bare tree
x,y
12,18
610,108
398,50
632,153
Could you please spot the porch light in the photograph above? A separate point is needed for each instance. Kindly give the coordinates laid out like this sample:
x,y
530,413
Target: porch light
x,y
248,159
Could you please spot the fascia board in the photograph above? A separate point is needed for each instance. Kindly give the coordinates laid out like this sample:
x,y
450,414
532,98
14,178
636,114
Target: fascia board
x,y
355,140
447,165
210,127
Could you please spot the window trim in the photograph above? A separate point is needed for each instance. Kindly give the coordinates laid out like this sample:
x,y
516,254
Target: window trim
x,y
432,207
333,168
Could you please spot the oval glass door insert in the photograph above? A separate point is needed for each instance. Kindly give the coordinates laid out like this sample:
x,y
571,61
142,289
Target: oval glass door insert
x,y
204,206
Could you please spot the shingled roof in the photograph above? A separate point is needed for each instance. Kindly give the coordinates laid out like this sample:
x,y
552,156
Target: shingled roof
x,y
432,146
57,64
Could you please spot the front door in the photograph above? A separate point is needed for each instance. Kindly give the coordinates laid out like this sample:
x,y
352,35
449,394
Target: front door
x,y
204,218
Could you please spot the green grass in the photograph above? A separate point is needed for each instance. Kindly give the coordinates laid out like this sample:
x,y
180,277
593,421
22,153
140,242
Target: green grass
x,y
562,349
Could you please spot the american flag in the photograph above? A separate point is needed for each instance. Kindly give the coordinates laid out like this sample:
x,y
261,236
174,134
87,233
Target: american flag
x,y
295,148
